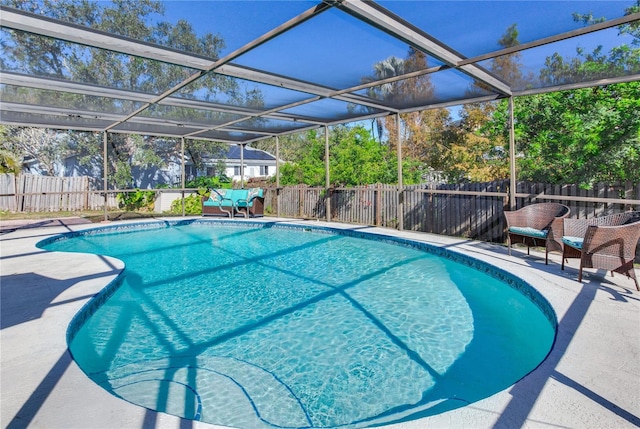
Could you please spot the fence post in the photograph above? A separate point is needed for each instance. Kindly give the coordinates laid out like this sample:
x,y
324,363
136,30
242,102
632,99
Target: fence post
x,y
300,201
512,157
430,211
378,204
15,190
326,172
61,197
86,189
400,213
628,194
23,190
104,172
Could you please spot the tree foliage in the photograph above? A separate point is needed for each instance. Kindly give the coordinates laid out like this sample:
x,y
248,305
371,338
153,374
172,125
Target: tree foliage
x,y
36,55
291,147
475,155
425,133
355,158
9,162
581,136
35,144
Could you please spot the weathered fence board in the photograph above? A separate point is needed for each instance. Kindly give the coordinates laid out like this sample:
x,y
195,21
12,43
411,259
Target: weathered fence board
x,y
8,200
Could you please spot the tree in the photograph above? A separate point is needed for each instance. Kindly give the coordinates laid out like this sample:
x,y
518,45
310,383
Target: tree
x,y
35,144
291,146
9,162
475,155
356,158
391,67
472,153
422,133
581,136
198,150
39,55
309,168
36,55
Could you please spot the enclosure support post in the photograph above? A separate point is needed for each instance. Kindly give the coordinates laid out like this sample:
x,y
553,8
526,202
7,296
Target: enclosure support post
x,y
182,178
241,166
512,158
400,185
327,178
277,176
104,173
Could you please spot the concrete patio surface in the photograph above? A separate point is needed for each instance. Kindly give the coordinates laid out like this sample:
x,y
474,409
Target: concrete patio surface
x,y
591,378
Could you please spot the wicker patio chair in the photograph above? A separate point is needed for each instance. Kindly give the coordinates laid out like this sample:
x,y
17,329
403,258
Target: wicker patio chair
x,y
607,242
537,225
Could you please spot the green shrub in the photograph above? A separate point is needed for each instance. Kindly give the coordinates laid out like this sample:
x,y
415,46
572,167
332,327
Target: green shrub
x,y
136,201
192,205
209,182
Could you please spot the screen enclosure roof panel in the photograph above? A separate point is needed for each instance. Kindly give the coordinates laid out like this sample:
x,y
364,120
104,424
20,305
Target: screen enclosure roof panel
x,y
238,72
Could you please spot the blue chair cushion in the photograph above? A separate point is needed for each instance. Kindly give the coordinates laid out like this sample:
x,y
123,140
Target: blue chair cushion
x,y
248,197
528,231
233,197
223,198
573,241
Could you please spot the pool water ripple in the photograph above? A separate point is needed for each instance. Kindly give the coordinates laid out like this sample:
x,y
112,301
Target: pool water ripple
x,y
263,327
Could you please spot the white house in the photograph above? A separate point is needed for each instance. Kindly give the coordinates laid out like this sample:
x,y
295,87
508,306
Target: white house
x,y
257,163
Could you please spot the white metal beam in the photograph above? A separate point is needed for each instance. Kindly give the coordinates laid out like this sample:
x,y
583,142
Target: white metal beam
x,y
36,24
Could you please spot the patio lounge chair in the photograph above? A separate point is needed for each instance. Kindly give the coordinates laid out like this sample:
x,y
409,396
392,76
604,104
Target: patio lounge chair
x,y
537,225
218,203
229,202
607,242
250,204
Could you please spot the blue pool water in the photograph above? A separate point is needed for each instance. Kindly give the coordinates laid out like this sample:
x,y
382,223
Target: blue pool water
x,y
263,326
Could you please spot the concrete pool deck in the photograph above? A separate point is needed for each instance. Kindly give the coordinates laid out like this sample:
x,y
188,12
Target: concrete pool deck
x,y
591,378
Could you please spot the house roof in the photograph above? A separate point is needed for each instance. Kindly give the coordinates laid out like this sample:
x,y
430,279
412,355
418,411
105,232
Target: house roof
x,y
249,154
286,67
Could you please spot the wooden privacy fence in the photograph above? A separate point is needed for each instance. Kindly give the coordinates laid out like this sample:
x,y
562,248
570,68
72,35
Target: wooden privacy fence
x,y
34,193
473,210
426,208
603,199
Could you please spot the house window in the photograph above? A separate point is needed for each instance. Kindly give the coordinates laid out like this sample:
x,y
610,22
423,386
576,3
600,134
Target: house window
x,y
236,170
211,171
189,172
264,170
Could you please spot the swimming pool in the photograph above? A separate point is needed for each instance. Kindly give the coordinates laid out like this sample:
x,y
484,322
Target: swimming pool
x,y
264,325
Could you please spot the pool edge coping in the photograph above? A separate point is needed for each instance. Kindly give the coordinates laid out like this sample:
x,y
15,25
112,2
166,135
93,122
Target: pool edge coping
x,y
605,364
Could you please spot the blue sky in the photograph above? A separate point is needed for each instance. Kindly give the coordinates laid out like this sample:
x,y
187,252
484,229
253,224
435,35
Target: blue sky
x,y
336,50
481,22
323,56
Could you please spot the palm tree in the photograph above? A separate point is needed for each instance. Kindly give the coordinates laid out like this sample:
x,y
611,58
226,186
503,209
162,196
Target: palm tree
x,y
392,66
